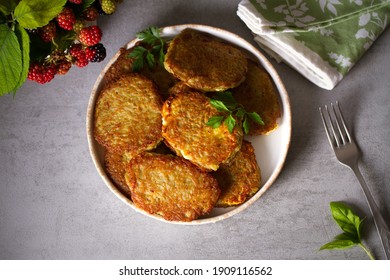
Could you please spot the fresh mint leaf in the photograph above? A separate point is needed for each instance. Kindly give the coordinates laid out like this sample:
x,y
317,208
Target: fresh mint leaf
x,y
37,13
86,3
10,60
24,42
215,121
7,6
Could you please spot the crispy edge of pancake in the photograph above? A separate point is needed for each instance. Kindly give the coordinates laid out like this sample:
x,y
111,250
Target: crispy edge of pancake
x,y
123,65
171,187
205,62
240,179
258,94
185,131
105,101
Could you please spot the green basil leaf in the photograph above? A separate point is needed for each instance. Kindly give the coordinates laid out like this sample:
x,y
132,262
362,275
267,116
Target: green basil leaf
x,y
338,244
24,41
230,122
37,13
347,236
219,105
7,6
10,60
215,121
348,221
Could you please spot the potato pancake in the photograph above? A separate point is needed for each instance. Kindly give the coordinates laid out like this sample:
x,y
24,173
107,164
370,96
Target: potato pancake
x,y
128,115
123,65
115,165
185,131
171,187
258,94
240,179
205,63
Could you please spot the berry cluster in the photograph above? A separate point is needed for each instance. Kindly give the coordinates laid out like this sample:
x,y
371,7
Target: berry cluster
x,y
71,38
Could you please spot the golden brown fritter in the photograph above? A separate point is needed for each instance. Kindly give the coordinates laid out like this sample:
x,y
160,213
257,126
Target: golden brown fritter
x,y
123,65
240,179
128,115
171,187
115,165
205,63
185,131
258,94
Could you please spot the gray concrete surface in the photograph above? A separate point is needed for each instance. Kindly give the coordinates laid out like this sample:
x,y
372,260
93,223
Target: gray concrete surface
x,y
54,205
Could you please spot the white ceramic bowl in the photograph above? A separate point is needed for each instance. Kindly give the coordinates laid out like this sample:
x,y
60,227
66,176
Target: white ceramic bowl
x,y
271,150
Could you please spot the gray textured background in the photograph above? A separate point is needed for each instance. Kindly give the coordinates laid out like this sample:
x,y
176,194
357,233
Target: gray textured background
x,y
54,205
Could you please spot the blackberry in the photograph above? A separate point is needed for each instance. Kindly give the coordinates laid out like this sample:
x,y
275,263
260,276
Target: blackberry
x,y
99,52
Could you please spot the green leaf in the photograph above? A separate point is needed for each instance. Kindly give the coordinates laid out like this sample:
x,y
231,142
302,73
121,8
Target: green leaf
x,y
348,221
37,13
86,4
10,60
219,105
246,125
230,122
138,64
215,121
150,60
150,36
7,6
227,98
256,118
338,244
24,41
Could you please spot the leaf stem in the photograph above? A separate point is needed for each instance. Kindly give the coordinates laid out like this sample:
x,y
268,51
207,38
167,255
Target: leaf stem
x,y
367,251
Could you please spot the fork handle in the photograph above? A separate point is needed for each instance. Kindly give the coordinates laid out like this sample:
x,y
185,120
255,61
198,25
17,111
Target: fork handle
x,y
382,228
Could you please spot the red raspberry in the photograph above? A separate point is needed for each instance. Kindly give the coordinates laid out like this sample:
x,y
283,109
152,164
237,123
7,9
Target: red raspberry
x,y
91,35
48,32
66,19
41,73
76,1
63,67
90,53
90,14
80,58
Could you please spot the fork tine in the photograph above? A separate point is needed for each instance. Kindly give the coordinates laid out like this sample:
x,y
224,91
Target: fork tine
x,y
343,123
328,133
336,118
335,136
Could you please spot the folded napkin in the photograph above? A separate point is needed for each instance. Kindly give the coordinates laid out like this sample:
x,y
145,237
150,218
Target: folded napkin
x,y
321,39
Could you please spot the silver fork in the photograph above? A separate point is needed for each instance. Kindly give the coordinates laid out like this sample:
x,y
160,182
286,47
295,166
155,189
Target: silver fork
x,y
348,154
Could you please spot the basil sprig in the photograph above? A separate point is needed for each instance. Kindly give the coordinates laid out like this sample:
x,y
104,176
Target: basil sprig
x,y
351,224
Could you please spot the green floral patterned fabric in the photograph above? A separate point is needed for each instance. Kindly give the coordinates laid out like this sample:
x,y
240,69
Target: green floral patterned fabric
x,y
322,39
